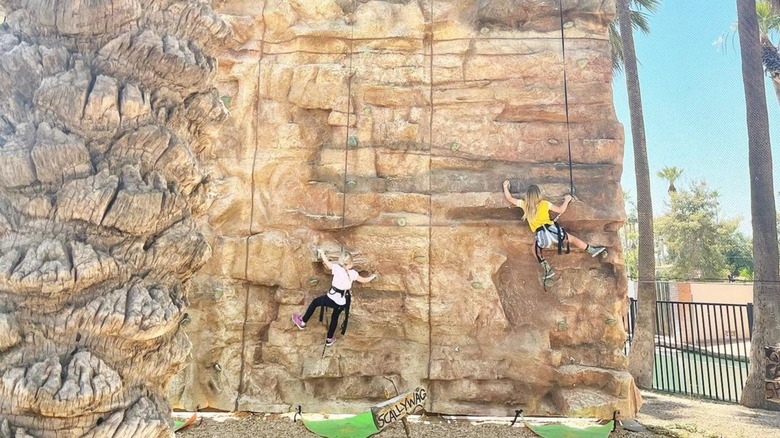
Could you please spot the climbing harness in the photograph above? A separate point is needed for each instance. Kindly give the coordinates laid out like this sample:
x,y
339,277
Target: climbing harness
x,y
346,306
546,235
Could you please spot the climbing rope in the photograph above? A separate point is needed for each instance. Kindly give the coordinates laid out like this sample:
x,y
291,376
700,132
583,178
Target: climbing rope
x,y
566,97
430,194
351,74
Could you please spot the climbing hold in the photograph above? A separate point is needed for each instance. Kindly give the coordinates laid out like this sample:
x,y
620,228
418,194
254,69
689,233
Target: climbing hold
x,y
351,183
226,101
568,24
313,281
218,367
352,141
476,285
185,319
454,146
610,321
401,221
582,62
552,141
218,293
420,258
484,30
563,325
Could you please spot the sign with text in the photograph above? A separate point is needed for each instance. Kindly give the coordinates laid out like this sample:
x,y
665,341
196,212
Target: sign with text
x,y
398,408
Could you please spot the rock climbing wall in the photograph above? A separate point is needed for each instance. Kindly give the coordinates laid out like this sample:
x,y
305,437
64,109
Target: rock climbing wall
x,y
389,126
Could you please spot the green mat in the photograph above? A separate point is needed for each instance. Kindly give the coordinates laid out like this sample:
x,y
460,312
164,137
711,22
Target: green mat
x,y
358,426
563,431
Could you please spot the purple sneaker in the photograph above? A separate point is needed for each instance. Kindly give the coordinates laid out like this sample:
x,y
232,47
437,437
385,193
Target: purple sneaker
x,y
298,321
330,341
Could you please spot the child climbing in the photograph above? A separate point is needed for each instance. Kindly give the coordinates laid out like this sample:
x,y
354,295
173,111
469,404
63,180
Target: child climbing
x,y
338,296
548,233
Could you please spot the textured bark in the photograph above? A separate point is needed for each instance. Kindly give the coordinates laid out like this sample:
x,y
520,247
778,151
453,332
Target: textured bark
x,y
103,105
643,347
766,286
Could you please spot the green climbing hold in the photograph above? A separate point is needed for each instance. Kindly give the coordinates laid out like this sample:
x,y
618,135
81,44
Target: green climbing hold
x,y
476,285
454,146
351,183
563,326
218,293
226,100
568,24
401,221
313,281
352,141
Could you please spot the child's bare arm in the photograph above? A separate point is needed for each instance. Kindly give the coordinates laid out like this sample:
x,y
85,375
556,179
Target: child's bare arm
x,y
361,279
325,260
560,209
508,196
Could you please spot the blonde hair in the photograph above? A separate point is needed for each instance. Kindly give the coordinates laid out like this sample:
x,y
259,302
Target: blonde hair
x,y
532,198
345,259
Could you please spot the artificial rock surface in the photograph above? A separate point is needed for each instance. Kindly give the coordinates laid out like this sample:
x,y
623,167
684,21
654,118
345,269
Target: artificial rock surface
x,y
418,110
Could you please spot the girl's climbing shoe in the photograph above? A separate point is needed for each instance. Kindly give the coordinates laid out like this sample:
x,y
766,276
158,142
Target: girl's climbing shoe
x,y
298,321
548,272
330,341
595,250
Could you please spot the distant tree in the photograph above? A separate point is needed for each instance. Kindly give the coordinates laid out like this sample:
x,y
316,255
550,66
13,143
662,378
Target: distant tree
x,y
630,236
671,174
697,244
738,250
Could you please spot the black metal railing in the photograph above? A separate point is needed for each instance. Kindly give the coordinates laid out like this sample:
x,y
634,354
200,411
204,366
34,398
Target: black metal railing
x,y
701,349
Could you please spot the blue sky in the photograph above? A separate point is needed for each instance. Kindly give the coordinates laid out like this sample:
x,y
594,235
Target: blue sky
x,y
694,105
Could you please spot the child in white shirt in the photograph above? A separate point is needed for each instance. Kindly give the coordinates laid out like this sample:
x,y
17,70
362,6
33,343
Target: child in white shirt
x,y
338,296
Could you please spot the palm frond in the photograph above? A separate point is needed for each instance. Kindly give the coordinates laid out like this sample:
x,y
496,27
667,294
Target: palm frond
x,y
616,47
639,21
640,11
649,5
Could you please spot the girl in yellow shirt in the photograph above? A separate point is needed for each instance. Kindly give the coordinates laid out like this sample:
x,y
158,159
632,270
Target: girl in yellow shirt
x,y
548,233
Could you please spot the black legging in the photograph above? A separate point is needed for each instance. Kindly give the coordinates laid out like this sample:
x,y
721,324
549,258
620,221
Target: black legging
x,y
323,300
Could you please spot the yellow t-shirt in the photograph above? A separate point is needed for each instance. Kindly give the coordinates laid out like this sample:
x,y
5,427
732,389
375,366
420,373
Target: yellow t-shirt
x,y
542,214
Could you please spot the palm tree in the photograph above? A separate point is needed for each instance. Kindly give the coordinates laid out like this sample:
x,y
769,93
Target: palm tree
x,y
766,287
103,117
639,22
768,15
769,25
670,174
643,348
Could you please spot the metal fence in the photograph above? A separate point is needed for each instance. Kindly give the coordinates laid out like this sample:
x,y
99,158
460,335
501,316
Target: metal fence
x,y
701,349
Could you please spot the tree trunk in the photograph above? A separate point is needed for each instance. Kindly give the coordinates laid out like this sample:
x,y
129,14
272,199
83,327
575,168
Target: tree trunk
x,y
643,347
104,106
766,289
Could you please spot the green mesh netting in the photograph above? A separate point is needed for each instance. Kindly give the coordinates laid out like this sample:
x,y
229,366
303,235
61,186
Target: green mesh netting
x,y
564,431
358,426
